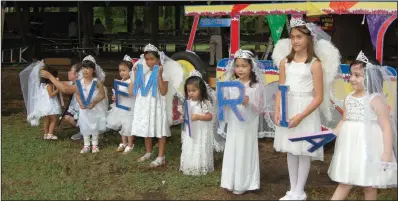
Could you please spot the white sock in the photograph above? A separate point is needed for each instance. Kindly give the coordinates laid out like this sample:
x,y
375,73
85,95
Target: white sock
x,y
293,166
86,140
303,171
95,140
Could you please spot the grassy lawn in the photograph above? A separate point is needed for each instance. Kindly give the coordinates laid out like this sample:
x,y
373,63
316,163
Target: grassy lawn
x,y
36,169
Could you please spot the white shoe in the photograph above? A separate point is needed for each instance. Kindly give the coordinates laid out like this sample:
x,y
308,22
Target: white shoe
x,y
45,136
145,157
121,147
51,137
288,196
303,196
159,161
128,149
85,149
95,149
238,192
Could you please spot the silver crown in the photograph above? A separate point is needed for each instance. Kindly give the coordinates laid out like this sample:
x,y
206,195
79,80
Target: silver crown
x,y
127,58
90,58
151,48
195,73
361,57
296,22
245,54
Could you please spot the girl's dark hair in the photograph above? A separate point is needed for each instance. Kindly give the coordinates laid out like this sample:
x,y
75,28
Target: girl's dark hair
x,y
128,64
154,53
89,64
376,71
201,85
52,71
310,49
252,76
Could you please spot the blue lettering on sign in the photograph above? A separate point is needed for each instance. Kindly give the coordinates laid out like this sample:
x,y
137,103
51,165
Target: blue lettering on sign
x,y
232,103
215,22
85,101
118,93
284,89
139,81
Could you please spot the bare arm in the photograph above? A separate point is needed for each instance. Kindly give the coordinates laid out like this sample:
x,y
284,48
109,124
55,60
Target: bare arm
x,y
282,80
379,105
130,88
51,92
207,117
317,76
100,96
79,99
163,85
337,129
61,86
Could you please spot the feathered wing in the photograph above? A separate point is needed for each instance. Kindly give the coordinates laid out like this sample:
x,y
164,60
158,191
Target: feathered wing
x,y
330,57
173,70
282,48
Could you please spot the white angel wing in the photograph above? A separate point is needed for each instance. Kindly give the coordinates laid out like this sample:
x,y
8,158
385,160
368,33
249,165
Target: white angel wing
x,y
330,57
173,70
282,48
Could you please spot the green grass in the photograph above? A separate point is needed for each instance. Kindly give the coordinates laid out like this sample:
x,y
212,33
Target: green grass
x,y
35,169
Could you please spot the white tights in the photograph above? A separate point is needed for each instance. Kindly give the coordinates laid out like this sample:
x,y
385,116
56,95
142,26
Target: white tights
x,y
299,167
94,140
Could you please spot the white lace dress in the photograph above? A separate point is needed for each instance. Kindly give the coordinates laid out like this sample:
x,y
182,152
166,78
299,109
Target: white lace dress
x,y
348,165
120,119
197,149
241,166
46,105
150,115
92,121
300,95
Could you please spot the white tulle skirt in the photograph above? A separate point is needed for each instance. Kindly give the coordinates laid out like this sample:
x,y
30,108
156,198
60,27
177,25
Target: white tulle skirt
x,y
119,119
297,103
93,121
349,163
45,104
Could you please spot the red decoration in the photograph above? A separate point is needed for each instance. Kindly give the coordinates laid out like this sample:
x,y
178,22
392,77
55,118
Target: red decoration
x,y
238,7
341,7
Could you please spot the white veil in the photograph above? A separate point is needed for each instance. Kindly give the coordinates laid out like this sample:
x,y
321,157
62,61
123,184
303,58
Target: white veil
x,y
377,110
259,104
30,84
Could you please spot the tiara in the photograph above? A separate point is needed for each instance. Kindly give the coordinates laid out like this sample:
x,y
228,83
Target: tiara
x,y
90,58
127,58
151,48
296,22
361,57
195,73
245,54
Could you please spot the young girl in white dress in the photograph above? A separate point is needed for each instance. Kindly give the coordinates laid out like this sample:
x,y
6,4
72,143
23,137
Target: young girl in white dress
x,y
41,99
300,68
153,115
120,119
92,118
240,168
363,154
197,146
